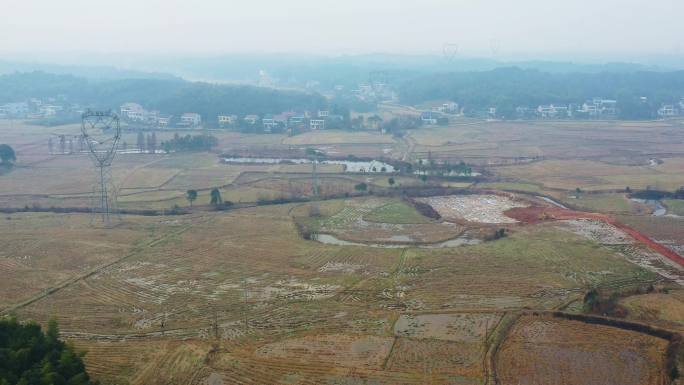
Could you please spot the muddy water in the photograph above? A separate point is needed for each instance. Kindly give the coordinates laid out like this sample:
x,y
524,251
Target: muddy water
x,y
553,202
460,241
658,209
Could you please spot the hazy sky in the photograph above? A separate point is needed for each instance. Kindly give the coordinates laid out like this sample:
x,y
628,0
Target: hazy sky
x,y
490,27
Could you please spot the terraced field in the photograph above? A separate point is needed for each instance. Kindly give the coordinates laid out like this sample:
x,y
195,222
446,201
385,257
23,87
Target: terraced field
x,y
239,296
541,350
200,280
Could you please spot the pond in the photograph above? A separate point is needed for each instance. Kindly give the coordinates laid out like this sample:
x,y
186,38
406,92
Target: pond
x,y
460,241
658,209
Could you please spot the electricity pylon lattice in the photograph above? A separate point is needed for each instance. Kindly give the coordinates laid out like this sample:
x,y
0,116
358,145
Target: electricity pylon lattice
x,y
101,132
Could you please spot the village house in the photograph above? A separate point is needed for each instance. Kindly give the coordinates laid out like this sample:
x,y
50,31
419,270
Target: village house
x,y
163,122
132,111
429,117
551,111
667,111
269,124
227,120
190,119
251,119
317,124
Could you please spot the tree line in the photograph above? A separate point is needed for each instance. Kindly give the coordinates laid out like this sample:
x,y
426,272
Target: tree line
x,y
171,96
509,88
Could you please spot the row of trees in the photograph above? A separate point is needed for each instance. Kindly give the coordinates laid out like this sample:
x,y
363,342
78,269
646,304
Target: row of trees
x,y
145,143
189,143
215,198
508,88
171,96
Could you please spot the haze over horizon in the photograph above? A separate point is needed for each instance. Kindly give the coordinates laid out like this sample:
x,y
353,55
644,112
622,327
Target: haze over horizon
x,y
492,28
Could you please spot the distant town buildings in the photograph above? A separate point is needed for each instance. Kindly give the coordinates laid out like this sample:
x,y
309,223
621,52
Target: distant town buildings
x,y
551,111
134,113
447,108
599,108
14,109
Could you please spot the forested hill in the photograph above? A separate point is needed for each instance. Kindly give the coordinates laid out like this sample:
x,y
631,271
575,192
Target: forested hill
x,y
508,88
170,96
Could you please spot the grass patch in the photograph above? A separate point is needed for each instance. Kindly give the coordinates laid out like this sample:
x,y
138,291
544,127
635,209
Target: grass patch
x,y
674,206
614,203
397,213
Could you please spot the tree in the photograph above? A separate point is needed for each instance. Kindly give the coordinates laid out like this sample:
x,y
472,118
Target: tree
x,y
141,141
361,187
7,155
29,356
191,195
215,197
152,143
391,181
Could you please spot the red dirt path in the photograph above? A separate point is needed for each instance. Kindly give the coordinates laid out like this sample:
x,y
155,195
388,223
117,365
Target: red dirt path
x,y
536,214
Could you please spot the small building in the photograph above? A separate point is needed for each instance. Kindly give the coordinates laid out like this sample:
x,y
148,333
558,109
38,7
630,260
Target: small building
x,y
227,120
551,111
163,122
667,111
190,119
317,124
50,110
296,121
269,124
132,111
430,117
251,119
323,114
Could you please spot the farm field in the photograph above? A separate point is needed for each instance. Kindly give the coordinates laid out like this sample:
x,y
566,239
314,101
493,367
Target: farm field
x,y
595,175
665,308
540,350
675,207
358,287
198,275
609,202
339,137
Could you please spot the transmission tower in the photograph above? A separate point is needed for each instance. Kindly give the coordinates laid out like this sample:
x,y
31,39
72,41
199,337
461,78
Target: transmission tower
x,y
101,132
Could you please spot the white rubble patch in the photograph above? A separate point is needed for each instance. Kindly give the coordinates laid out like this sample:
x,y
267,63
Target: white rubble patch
x,y
486,208
342,267
611,236
656,263
292,289
597,231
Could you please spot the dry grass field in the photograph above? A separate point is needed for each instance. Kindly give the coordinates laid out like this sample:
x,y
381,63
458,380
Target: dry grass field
x,y
543,351
246,282
240,297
